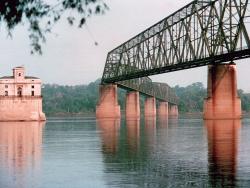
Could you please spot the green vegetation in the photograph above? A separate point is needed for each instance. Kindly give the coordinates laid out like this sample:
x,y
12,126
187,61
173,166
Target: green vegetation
x,y
78,99
245,100
69,99
83,98
191,98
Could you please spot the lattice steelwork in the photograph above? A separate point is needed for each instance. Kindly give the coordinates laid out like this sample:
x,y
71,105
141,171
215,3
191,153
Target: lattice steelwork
x,y
160,91
201,33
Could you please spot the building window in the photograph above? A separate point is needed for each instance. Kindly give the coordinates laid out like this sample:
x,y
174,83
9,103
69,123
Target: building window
x,y
32,86
32,93
6,93
19,92
6,86
19,74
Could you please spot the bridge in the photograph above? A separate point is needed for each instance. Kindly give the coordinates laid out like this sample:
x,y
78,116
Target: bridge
x,y
204,32
161,91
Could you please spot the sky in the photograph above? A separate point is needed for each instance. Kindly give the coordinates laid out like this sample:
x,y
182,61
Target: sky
x,y
70,56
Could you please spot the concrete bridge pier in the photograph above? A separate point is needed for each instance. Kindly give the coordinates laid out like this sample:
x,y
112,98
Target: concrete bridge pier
x,y
150,107
108,106
173,111
222,101
163,109
132,105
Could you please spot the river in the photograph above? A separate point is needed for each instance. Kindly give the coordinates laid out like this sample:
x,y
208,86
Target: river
x,y
85,152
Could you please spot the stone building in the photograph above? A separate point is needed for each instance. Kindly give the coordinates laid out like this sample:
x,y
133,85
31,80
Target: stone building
x,y
20,97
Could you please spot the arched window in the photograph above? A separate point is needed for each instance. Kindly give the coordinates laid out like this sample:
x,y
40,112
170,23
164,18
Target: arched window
x,y
32,93
6,93
19,92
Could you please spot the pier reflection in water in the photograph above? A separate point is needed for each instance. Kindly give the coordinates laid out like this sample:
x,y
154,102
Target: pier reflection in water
x,y
223,136
20,152
163,152
133,135
109,132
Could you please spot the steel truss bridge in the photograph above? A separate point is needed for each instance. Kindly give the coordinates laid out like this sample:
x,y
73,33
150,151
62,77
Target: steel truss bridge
x,y
201,33
161,91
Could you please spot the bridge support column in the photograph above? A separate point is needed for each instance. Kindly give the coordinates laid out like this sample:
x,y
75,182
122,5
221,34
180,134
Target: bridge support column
x,y
163,109
133,105
108,106
173,111
222,101
150,107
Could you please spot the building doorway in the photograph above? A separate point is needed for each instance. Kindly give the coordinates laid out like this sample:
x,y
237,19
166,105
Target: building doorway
x,y
19,91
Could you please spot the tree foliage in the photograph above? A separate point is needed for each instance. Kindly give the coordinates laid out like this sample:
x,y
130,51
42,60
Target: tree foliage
x,y
73,99
191,97
70,99
42,15
245,100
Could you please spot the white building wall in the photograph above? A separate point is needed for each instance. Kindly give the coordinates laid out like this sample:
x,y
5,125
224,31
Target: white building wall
x,y
19,81
15,108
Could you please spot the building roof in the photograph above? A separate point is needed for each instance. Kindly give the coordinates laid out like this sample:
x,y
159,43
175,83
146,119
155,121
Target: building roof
x,y
12,77
31,77
7,77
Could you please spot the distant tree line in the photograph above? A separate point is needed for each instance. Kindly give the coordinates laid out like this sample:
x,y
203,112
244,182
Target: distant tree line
x,y
80,99
191,98
69,99
58,99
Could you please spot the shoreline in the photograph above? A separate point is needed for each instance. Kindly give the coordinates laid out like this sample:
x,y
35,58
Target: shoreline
x,y
187,115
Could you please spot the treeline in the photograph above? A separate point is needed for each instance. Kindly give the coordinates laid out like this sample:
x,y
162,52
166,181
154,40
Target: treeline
x,y
80,99
69,99
191,98
83,98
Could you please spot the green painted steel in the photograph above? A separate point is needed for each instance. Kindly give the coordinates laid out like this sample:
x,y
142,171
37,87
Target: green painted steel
x,y
145,86
201,33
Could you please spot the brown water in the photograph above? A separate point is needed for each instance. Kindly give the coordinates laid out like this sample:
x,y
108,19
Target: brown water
x,y
133,153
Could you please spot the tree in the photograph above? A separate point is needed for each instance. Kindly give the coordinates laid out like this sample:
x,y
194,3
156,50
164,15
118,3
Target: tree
x,y
42,15
191,97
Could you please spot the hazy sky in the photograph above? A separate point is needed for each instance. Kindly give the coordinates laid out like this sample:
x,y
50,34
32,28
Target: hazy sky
x,y
70,56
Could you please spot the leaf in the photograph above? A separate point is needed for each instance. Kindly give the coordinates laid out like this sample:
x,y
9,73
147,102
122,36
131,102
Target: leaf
x,y
71,20
82,21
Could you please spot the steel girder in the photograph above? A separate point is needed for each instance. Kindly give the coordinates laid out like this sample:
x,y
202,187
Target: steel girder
x,y
145,86
201,33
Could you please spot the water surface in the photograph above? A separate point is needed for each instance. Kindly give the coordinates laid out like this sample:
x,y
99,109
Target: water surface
x,y
125,153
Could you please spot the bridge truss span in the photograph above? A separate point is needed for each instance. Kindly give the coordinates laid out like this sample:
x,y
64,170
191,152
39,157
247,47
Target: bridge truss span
x,y
161,91
201,33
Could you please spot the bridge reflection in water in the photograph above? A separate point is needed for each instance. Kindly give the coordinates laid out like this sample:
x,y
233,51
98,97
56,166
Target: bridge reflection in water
x,y
223,136
131,146
21,152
